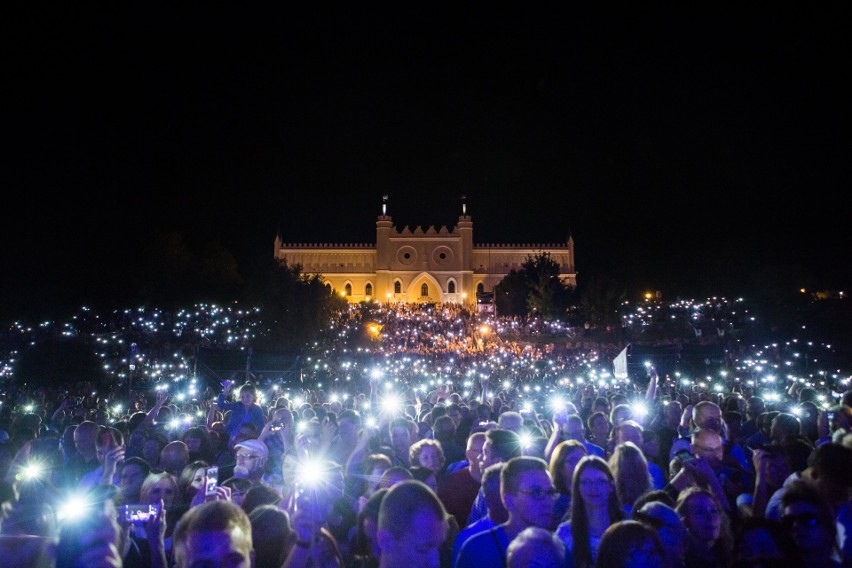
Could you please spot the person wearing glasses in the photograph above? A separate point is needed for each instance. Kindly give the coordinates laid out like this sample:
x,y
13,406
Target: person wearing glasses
x,y
711,541
251,458
810,520
594,507
528,494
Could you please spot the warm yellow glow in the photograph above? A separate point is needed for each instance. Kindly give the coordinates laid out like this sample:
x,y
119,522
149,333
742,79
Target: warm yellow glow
x,y
343,294
484,330
388,295
802,290
648,295
368,298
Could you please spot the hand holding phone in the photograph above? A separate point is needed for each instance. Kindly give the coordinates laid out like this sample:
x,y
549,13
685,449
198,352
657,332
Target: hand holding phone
x,y
138,513
212,480
685,456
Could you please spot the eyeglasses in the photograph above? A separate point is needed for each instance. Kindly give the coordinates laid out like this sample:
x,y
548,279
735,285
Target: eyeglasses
x,y
539,493
247,457
806,519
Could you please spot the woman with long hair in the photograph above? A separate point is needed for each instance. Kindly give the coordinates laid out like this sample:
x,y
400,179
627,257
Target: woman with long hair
x,y
630,470
563,461
191,478
711,540
594,507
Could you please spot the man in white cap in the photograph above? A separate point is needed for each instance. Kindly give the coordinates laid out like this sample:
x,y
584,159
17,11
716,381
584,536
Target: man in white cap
x,y
251,460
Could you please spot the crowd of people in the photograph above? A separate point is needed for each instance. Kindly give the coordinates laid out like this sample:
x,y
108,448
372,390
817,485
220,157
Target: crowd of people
x,y
449,439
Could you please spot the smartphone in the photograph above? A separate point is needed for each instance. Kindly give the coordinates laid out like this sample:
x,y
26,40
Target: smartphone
x,y
685,456
138,514
212,480
276,426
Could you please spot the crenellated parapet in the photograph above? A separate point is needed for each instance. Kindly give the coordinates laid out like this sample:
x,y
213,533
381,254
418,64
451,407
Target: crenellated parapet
x,y
524,245
328,245
406,231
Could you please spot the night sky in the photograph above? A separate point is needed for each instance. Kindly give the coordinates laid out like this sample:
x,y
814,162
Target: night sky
x,y
685,151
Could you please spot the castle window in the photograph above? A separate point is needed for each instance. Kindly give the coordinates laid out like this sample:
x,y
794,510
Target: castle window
x,y
480,288
397,287
424,290
451,287
348,289
368,289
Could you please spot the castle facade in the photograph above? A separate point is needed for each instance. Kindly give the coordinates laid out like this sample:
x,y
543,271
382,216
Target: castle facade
x,y
422,266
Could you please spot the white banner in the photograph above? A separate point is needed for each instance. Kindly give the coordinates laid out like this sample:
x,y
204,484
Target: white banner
x,y
619,365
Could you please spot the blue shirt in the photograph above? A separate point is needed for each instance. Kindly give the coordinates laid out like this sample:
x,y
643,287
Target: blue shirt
x,y
240,416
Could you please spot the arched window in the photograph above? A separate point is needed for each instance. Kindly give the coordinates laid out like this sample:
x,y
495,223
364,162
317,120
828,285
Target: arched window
x,y
348,289
424,290
480,288
451,287
397,287
368,289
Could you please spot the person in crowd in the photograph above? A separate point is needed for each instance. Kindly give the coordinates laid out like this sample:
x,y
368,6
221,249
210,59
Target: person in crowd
x,y
173,457
85,457
271,535
95,539
346,437
631,431
808,515
251,456
425,475
429,454
707,415
630,471
365,548
393,475
375,465
130,480
109,450
151,449
762,541
499,446
459,489
527,493
772,467
497,513
412,527
246,411
259,494
211,532
191,479
708,524
599,429
594,507
537,547
563,461
198,444
512,421
664,520
630,544
784,426
444,431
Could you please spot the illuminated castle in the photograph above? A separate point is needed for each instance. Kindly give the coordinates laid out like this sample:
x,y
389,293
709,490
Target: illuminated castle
x,y
422,266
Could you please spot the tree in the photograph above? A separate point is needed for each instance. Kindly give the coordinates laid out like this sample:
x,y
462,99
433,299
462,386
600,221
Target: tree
x,y
547,295
294,307
601,298
510,295
535,288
